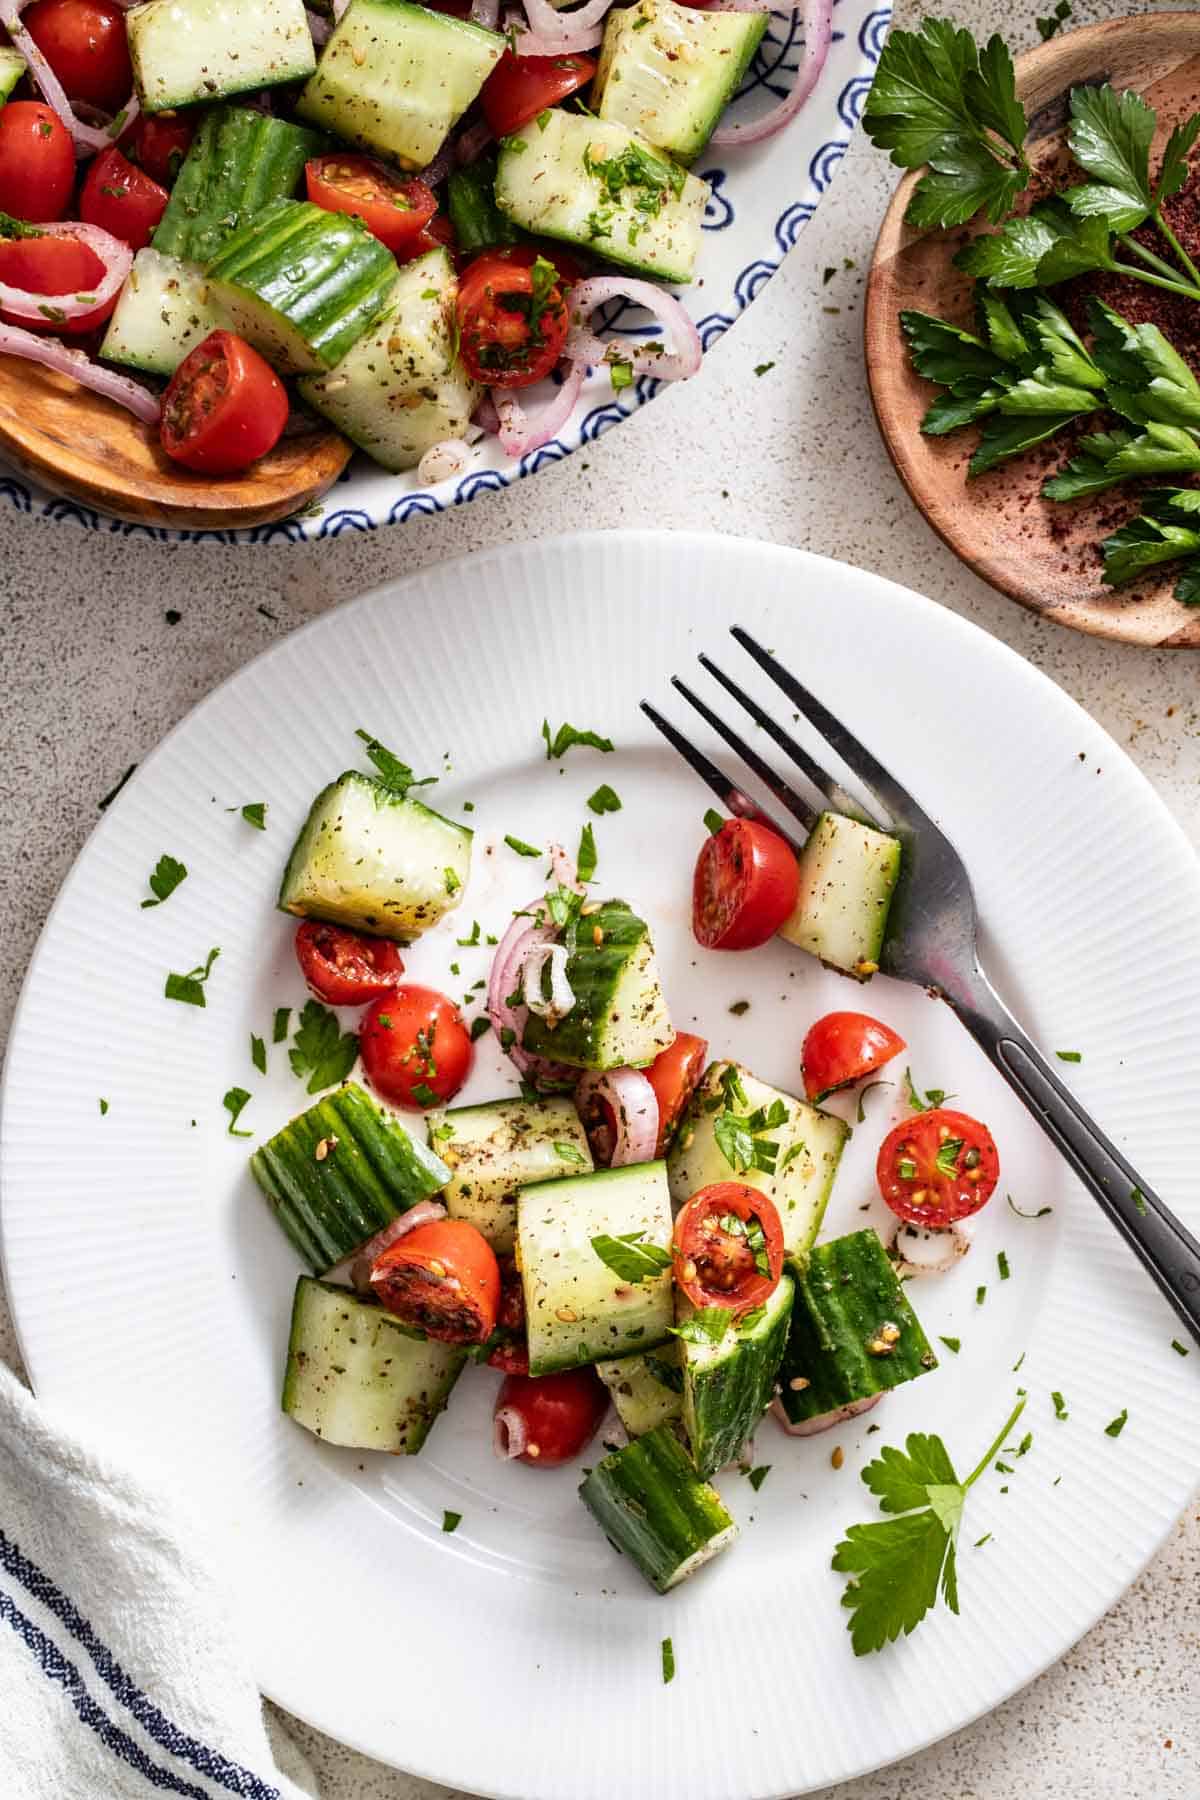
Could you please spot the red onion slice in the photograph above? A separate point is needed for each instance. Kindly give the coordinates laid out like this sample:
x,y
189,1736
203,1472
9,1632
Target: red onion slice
x,y
425,1212
518,434
319,28
824,1421
674,363
818,35
513,947
565,872
86,137
472,143
562,995
634,1106
485,13
930,1250
553,33
510,1434
445,461
116,257
53,354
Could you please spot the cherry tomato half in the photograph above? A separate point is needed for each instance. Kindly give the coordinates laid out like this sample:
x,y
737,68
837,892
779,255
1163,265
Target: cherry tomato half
x,y
343,968
511,1356
224,406
437,235
415,1048
121,199
560,1413
938,1167
674,1075
745,886
394,209
444,1279
842,1047
728,1247
520,87
159,144
513,320
85,44
49,266
37,162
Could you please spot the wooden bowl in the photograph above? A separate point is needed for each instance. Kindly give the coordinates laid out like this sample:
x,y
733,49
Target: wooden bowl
x,y
1041,554
80,445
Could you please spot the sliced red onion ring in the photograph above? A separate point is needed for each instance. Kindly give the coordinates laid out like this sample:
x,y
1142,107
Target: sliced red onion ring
x,y
472,143
562,995
510,1434
53,354
436,172
319,28
818,34
675,363
444,461
824,1421
485,414
86,137
425,1212
338,8
565,872
116,257
553,33
634,1107
922,1250
518,434
510,952
485,13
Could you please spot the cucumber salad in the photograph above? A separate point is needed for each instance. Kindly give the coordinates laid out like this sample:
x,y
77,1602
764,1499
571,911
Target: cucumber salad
x,y
631,1234
394,216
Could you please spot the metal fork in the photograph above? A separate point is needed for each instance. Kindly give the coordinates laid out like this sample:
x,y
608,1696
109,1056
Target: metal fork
x,y
931,940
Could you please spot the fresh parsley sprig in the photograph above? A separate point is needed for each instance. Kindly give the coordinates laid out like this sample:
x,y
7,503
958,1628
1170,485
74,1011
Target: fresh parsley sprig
x,y
898,1565
394,774
320,1049
1166,530
630,1258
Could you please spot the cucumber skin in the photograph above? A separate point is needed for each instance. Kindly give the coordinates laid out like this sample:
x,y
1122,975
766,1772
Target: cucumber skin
x,y
642,1399
471,202
593,971
650,1503
845,1293
374,1173
239,161
723,1402
321,272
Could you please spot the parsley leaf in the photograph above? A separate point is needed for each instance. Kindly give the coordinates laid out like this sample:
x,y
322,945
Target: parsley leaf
x,y
743,1135
668,1661
1002,1265
104,1109
756,1477
946,1160
570,1153
1167,529
953,1344
468,942
604,800
395,775
585,859
282,1024
899,1564
707,1325
451,1520
1116,1426
934,1097
166,878
714,821
567,736
1060,1405
1039,1214
320,1049
628,1257
1110,136
189,988
255,813
939,100
521,847
479,1026
235,1103
258,1053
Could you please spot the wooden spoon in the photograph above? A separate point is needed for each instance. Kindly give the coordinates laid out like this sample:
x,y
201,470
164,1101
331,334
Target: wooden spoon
x,y
1041,554
85,447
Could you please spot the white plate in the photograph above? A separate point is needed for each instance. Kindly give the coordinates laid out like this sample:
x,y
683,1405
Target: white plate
x,y
151,1288
762,197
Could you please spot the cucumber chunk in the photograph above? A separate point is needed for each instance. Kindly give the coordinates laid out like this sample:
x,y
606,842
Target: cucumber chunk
x,y
576,1309
808,1147
620,1015
239,161
646,1390
595,183
853,1332
650,1503
394,78
164,311
377,862
669,71
727,1386
187,51
401,388
358,1377
494,1151
12,68
471,202
847,874
302,284
340,1172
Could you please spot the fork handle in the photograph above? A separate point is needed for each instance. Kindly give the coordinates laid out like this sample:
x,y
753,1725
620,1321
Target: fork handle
x,y
1165,1246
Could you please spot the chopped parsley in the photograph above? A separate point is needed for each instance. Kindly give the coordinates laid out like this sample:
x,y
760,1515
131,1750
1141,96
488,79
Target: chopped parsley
x,y
713,821
395,775
933,1098
1139,1200
452,881
628,1257
258,1053
282,1025
756,1477
1039,1214
1002,1265
620,373
1069,1055
104,1109
165,879
954,1345
763,368
707,1325
469,942
479,1026
320,1049
585,859
1116,1426
862,1099
1060,1405
256,814
567,737
635,177
742,1134
521,847
668,1661
423,1094
189,988
451,1520
604,800
1177,1347
570,1153
980,1295
235,1103
946,1160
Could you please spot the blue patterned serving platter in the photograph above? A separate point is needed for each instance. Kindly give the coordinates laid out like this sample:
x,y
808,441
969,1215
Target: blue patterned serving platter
x,y
762,197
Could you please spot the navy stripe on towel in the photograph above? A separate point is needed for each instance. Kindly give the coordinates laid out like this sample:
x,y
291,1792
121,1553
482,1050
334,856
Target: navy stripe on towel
x,y
155,1724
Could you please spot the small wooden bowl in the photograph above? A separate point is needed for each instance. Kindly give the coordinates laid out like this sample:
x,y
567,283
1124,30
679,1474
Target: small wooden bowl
x,y
1041,554
80,445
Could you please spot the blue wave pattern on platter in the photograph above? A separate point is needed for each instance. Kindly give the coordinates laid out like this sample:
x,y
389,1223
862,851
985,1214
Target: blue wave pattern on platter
x,y
768,80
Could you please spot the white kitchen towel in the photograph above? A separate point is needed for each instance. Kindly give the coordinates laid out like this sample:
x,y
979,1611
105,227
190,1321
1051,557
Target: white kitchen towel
x,y
120,1672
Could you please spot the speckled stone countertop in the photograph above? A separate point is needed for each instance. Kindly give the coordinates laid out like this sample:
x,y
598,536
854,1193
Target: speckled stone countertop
x,y
106,643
